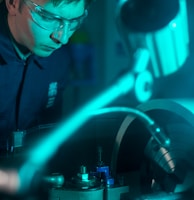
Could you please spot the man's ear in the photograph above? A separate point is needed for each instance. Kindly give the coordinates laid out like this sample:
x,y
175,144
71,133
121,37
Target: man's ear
x,y
12,6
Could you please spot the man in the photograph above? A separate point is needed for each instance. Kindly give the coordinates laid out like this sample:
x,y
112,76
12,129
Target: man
x,y
34,60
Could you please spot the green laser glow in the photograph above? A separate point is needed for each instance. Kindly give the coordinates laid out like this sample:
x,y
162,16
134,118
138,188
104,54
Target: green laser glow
x,y
144,117
49,145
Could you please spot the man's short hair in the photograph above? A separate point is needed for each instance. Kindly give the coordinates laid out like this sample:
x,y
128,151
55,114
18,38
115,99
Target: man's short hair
x,y
87,2
56,2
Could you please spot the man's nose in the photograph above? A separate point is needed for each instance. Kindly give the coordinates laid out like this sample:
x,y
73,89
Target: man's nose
x,y
61,35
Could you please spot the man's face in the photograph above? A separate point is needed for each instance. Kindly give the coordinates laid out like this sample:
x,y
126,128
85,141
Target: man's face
x,y
32,35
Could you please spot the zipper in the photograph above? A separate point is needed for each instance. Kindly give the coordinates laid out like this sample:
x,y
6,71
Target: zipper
x,y
18,98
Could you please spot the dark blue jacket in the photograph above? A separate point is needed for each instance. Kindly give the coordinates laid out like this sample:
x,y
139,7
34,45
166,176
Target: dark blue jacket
x,y
30,91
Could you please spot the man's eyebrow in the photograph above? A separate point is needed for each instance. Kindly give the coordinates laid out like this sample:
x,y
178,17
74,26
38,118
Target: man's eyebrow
x,y
83,14
60,17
